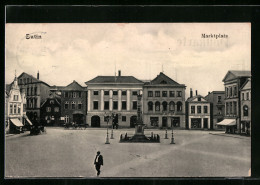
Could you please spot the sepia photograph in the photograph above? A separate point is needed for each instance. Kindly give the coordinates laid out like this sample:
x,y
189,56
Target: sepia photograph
x,y
127,100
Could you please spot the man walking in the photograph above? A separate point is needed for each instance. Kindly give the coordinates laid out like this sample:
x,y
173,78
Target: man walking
x,y
98,162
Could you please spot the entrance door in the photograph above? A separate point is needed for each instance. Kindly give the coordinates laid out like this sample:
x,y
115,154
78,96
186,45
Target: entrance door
x,y
196,123
95,121
164,122
78,118
175,122
205,121
133,121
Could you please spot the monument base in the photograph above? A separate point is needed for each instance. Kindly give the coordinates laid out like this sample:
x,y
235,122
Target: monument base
x,y
140,139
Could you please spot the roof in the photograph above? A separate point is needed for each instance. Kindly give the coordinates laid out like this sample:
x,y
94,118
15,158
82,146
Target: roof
x,y
74,86
114,79
246,85
163,79
8,87
237,74
190,99
56,88
35,79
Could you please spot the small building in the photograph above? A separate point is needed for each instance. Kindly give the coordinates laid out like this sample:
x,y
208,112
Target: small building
x,y
51,110
197,112
216,99
164,102
245,93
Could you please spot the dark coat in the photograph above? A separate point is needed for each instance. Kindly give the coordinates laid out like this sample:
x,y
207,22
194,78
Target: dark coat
x,y
99,161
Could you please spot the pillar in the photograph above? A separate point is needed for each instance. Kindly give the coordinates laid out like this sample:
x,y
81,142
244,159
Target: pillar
x,y
128,103
110,100
88,100
102,100
119,100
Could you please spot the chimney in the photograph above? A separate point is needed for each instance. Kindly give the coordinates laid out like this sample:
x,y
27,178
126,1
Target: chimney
x,y
38,75
196,93
119,72
191,93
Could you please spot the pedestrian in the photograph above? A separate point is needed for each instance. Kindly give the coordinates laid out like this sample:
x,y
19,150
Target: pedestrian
x,y
98,162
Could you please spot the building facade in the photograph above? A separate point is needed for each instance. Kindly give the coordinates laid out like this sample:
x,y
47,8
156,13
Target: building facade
x,y
73,103
245,95
197,112
216,99
115,95
51,110
233,81
164,103
15,108
36,93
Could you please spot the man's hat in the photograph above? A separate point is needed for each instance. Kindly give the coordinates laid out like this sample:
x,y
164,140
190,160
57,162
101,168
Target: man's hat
x,y
98,152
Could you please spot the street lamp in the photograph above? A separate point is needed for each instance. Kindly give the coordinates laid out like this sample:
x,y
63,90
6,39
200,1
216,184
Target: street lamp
x,y
166,135
112,117
107,119
172,139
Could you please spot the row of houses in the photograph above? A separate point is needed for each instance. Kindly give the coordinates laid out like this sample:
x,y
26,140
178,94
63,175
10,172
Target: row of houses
x,y
163,102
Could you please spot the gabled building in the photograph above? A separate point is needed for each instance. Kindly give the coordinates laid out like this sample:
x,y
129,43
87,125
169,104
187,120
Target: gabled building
x,y
197,112
245,97
51,110
36,92
164,102
233,81
115,95
73,103
216,99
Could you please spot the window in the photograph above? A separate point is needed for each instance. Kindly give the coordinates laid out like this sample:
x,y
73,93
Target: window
x,y
179,106
243,96
124,118
227,108
192,109
247,96
56,109
172,93
35,102
115,93
154,121
245,110
15,97
235,90
106,93
199,109
157,106
48,109
66,119
123,105
66,94
150,106
74,94
66,105
95,93
79,105
164,94
115,105
79,94
51,101
226,92
15,108
235,108
73,105
35,90
199,98
123,93
134,105
172,106
205,109
150,93
178,93
106,118
134,93
28,91
95,105
20,81
157,93
11,108
219,99
219,110
231,110
27,80
106,105
164,104
31,90
230,92
24,80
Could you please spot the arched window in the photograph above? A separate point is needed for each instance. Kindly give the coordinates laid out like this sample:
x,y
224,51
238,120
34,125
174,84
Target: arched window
x,y
179,106
164,104
172,106
245,110
150,106
157,106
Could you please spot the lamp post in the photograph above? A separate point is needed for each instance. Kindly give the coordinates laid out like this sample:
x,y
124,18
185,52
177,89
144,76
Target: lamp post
x,y
172,139
112,117
107,119
166,135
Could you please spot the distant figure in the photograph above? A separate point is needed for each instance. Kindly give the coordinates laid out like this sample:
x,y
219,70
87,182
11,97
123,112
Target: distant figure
x,y
98,162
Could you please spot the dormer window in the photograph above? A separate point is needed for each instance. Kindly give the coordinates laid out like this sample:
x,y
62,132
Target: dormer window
x,y
199,98
163,82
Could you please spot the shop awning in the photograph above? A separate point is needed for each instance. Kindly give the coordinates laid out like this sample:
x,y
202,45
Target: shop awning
x,y
227,122
16,122
27,119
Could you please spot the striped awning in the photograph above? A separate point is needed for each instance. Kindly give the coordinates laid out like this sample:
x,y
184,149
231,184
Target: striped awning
x,y
227,122
16,122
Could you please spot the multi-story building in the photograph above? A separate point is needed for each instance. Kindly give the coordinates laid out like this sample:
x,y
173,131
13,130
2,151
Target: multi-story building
x,y
216,99
233,81
164,102
15,109
113,95
51,110
36,93
197,112
245,95
73,103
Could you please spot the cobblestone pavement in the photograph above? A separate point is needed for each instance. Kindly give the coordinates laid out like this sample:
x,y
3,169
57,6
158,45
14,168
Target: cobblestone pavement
x,y
71,153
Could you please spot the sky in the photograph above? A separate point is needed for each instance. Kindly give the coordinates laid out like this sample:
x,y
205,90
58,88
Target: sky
x,y
81,51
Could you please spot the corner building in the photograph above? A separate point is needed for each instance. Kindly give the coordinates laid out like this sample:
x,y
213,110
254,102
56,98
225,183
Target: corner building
x,y
113,94
164,103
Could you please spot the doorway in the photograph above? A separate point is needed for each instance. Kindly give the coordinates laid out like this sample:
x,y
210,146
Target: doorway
x,y
95,121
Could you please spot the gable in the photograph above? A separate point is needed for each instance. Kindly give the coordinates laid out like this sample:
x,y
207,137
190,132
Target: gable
x,y
74,86
201,99
229,76
163,79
